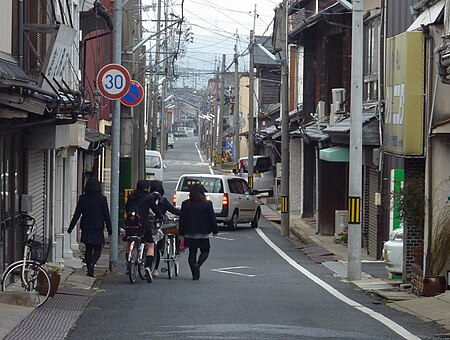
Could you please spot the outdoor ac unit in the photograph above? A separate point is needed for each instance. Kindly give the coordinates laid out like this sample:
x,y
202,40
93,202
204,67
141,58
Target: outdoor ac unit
x,y
340,223
338,98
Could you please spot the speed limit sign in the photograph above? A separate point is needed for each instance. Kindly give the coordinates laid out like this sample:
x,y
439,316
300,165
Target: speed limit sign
x,y
113,81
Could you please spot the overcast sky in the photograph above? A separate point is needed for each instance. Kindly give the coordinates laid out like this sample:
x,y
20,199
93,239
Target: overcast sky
x,y
214,24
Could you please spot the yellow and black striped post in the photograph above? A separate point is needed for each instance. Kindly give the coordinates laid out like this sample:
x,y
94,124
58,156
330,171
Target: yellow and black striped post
x,y
354,206
250,181
284,204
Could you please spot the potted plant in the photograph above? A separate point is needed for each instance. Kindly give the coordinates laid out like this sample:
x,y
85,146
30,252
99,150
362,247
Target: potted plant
x,y
54,272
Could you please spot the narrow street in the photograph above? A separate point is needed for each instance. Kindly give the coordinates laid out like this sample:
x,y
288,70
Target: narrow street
x,y
255,285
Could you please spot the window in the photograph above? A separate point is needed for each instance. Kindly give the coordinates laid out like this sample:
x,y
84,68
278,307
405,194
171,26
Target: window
x,y
260,164
235,186
212,185
371,59
153,162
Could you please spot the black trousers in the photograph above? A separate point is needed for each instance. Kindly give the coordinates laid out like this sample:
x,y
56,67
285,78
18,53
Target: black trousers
x,y
92,254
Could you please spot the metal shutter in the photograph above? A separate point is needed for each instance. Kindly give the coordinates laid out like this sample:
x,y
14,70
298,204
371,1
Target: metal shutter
x,y
36,184
373,212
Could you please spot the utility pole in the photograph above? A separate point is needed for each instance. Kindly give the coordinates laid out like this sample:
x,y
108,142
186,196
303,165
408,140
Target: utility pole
x,y
285,218
237,140
162,141
214,125
355,173
251,128
155,89
221,115
115,144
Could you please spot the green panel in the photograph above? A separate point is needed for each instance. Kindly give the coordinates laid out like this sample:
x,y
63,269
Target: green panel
x,y
125,182
397,182
335,154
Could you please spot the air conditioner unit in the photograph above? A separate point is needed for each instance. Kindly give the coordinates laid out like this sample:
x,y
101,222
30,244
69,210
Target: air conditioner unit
x,y
338,98
340,223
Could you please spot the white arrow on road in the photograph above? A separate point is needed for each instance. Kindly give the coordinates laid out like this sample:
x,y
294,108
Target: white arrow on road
x,y
227,271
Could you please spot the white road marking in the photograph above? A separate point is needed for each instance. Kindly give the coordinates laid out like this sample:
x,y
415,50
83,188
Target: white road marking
x,y
223,238
377,316
201,158
227,271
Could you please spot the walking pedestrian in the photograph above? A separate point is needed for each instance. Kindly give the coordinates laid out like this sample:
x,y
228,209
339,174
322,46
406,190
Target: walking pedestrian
x,y
197,222
93,208
143,203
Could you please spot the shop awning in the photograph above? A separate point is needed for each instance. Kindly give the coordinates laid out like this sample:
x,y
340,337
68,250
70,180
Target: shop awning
x,y
428,16
334,154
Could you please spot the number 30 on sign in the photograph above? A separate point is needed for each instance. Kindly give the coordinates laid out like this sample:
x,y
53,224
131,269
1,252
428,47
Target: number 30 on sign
x,y
113,81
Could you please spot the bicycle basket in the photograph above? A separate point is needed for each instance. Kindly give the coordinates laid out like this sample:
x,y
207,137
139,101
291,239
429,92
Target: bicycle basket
x,y
40,248
171,228
134,231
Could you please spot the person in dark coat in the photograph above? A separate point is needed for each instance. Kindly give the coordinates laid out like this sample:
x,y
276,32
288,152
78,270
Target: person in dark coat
x,y
144,203
197,222
164,206
93,208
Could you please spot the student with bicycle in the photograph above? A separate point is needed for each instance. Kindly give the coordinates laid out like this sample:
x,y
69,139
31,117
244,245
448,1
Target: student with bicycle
x,y
93,208
197,222
164,206
143,203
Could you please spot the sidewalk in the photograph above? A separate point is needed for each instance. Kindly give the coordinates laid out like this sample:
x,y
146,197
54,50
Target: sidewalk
x,y
374,278
56,317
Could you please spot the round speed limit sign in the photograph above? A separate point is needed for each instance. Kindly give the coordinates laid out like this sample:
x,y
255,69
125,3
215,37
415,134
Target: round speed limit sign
x,y
113,81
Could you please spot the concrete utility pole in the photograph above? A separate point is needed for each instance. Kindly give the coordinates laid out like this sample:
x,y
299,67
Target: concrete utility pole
x,y
355,173
115,144
155,90
162,142
251,127
221,115
237,138
214,124
285,218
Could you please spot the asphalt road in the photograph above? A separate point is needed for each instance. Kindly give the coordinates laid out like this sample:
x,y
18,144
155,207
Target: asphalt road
x,y
255,285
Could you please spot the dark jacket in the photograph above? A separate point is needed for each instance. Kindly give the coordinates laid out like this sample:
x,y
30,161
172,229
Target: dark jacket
x,y
142,202
94,212
197,218
165,206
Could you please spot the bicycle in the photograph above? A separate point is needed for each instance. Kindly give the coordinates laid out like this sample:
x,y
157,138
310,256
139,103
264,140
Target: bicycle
x,y
29,274
135,256
169,251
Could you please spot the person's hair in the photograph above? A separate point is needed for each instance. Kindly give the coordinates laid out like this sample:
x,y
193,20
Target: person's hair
x,y
142,184
197,193
156,185
92,186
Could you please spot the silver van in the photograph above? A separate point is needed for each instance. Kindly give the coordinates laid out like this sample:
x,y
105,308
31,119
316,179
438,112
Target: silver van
x,y
263,173
232,199
154,166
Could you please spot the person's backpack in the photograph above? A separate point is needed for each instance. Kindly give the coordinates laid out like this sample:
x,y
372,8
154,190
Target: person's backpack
x,y
132,224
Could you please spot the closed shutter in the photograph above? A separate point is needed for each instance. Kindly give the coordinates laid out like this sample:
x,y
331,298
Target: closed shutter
x,y
36,184
373,212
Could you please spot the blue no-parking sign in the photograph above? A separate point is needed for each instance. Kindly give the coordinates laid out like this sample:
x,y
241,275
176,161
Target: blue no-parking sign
x,y
134,95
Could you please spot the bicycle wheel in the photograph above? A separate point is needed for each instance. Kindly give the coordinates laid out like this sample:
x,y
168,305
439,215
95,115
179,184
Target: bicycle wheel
x,y
35,282
171,258
134,256
156,260
141,267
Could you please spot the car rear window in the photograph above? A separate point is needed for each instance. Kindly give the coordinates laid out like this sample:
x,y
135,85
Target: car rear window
x,y
262,164
212,185
152,161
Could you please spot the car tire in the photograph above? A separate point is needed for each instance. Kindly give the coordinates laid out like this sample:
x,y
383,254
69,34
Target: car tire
x,y
232,224
255,221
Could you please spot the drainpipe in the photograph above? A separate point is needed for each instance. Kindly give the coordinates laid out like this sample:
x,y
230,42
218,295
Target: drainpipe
x,y
20,34
317,190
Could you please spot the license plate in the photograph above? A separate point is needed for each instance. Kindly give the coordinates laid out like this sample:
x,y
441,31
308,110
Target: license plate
x,y
257,174
150,176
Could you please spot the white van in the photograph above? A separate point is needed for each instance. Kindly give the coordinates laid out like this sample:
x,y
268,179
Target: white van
x,y
154,166
263,173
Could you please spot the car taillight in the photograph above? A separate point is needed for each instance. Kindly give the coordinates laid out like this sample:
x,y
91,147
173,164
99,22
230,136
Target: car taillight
x,y
225,201
174,199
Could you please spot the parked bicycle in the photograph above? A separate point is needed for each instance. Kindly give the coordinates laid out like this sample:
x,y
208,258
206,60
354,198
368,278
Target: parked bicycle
x,y
28,275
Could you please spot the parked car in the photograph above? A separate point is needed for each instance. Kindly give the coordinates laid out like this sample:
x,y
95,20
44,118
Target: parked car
x,y
181,132
233,200
393,252
263,173
170,140
154,166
